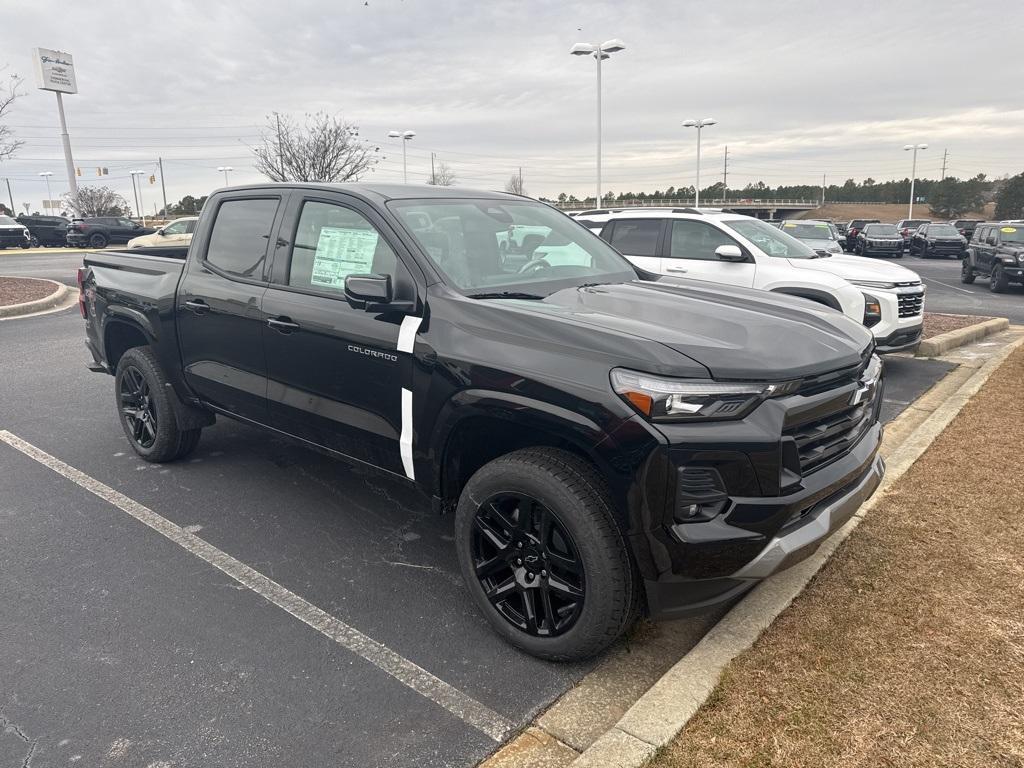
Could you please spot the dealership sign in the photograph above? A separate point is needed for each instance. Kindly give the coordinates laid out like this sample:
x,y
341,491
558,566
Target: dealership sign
x,y
55,71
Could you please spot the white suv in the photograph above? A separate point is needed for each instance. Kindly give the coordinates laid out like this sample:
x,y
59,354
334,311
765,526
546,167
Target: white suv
x,y
704,244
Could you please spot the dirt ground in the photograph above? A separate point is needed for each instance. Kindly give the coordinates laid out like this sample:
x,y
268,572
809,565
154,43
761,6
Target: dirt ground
x,y
16,290
889,213
936,323
907,649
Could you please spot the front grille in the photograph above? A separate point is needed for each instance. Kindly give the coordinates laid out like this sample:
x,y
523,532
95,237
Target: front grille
x,y
823,438
911,304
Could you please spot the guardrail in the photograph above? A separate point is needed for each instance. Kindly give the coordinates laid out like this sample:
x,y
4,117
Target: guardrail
x,y
687,202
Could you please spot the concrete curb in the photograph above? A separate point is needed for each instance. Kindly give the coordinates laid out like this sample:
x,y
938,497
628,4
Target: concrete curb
x,y
661,713
39,305
939,345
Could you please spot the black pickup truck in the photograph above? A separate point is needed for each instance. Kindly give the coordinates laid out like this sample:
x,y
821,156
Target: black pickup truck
x,y
610,441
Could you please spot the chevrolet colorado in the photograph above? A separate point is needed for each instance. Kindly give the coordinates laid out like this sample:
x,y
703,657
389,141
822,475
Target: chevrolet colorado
x,y
610,440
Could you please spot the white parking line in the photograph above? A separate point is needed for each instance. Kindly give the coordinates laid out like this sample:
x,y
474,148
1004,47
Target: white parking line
x,y
933,280
406,672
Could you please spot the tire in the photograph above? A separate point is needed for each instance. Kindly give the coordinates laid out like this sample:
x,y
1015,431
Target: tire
x,y
567,492
997,282
140,386
33,241
98,240
26,246
967,272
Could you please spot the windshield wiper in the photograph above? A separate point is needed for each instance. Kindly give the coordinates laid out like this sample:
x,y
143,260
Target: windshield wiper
x,y
505,295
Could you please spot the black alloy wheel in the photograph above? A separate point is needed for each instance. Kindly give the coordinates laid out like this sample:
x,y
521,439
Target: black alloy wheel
x,y
528,565
137,407
966,271
97,241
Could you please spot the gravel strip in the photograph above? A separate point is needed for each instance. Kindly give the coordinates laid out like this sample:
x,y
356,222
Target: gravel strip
x,y
936,324
18,290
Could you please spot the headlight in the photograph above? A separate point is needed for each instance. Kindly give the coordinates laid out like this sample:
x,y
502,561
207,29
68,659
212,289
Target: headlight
x,y
664,399
872,284
872,311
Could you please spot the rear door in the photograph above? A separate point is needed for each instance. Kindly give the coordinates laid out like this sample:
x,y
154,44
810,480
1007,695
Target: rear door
x,y
123,230
218,305
690,252
639,240
982,249
340,377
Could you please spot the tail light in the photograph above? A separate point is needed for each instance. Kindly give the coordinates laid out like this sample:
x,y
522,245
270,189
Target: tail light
x,y
82,271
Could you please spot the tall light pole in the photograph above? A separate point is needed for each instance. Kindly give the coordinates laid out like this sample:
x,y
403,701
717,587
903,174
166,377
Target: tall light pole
x,y
598,51
699,125
138,194
225,169
46,175
405,136
913,174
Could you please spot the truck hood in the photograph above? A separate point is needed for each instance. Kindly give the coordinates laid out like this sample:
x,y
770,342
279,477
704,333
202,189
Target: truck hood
x,y
858,268
735,333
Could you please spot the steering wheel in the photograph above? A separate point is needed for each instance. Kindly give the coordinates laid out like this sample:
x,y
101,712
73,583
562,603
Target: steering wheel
x,y
533,266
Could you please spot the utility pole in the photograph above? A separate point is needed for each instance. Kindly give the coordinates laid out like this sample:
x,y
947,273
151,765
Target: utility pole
x,y
280,153
945,154
823,190
163,187
725,175
433,177
10,196
521,180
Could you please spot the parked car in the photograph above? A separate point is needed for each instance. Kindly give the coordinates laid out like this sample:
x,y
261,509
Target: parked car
x,y
995,252
573,417
879,240
817,235
45,230
966,227
13,234
739,250
853,228
178,232
100,231
838,234
937,240
907,228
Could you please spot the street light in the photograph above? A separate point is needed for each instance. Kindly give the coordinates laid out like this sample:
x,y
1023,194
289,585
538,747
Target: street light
x,y
913,174
138,195
699,125
602,51
46,175
405,136
224,169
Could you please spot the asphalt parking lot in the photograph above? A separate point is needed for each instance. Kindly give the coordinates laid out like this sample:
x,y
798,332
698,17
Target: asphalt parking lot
x,y
120,646
945,292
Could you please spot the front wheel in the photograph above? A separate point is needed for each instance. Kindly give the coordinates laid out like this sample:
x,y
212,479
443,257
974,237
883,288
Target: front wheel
x,y
998,283
98,241
147,411
542,555
966,272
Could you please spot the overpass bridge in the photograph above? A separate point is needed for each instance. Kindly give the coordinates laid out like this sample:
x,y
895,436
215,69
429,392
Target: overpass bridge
x,y
762,209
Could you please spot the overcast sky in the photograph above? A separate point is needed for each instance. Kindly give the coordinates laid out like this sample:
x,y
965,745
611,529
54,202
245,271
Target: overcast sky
x,y
799,88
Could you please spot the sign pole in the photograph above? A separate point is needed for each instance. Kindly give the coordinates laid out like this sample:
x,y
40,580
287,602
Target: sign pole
x,y
72,181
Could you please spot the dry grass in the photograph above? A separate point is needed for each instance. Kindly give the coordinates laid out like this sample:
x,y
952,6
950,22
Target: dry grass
x,y
936,323
907,649
886,212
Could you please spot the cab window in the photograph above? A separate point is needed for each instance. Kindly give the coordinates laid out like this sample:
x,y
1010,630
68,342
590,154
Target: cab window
x,y
696,240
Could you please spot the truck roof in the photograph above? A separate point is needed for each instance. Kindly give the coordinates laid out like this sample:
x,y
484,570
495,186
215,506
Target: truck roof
x,y
381,192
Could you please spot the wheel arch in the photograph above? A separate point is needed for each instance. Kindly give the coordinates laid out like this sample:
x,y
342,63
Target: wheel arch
x,y
122,331
813,294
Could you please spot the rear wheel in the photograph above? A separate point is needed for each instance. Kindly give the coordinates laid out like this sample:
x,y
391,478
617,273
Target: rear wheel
x,y
997,282
33,241
542,555
146,409
98,240
966,272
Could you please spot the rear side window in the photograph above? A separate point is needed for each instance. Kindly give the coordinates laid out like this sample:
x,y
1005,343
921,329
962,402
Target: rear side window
x,y
241,234
636,237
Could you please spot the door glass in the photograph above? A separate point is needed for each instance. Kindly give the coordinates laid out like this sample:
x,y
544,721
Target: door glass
x,y
696,240
636,237
241,233
177,228
333,242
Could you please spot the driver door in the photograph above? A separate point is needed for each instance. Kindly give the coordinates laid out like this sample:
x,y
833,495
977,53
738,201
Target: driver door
x,y
691,254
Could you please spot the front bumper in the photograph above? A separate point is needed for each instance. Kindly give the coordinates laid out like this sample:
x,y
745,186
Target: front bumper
x,y
901,340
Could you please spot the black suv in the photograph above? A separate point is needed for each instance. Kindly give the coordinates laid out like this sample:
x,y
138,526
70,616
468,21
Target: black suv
x,y
45,230
907,228
966,227
854,228
98,232
995,252
937,240
879,240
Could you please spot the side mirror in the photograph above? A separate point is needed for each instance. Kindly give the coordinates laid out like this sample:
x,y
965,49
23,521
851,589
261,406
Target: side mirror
x,y
161,233
729,253
368,292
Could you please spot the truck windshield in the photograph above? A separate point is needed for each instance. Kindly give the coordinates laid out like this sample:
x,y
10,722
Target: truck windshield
x,y
807,231
772,241
509,246
881,230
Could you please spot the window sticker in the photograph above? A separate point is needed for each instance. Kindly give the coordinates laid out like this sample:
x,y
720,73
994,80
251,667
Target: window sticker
x,y
341,252
789,226
1008,230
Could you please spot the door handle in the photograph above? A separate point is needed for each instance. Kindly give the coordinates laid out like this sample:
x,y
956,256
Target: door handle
x,y
198,306
282,324
676,269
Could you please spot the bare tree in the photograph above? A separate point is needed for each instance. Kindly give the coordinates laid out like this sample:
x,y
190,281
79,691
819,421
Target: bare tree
x,y
442,175
97,201
322,148
8,95
515,184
